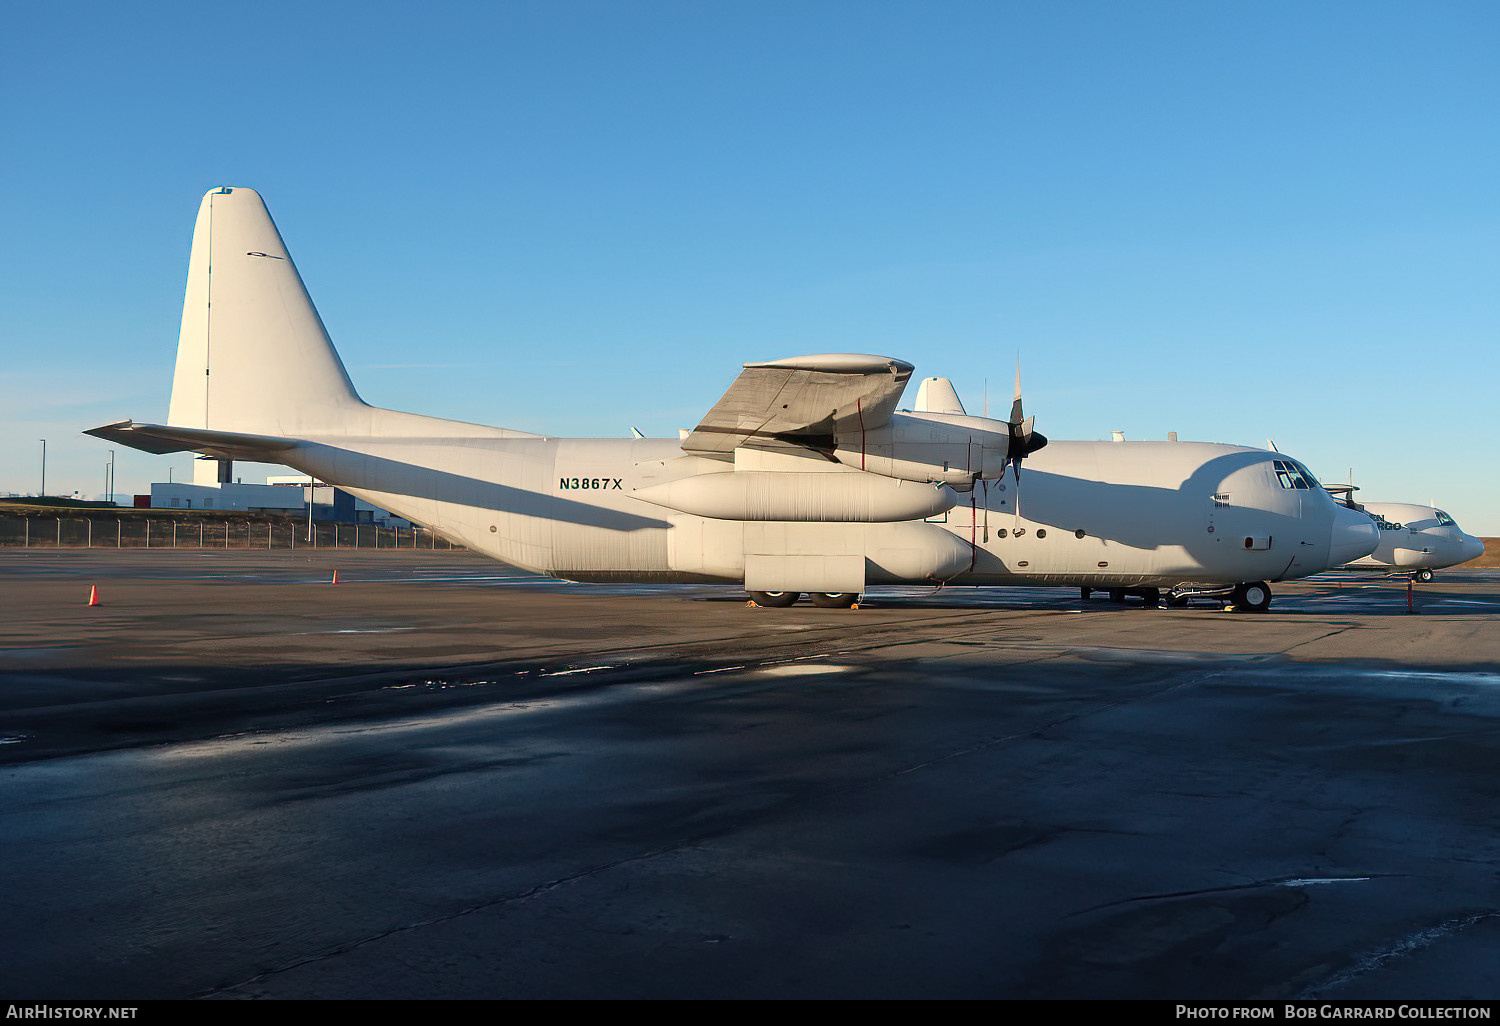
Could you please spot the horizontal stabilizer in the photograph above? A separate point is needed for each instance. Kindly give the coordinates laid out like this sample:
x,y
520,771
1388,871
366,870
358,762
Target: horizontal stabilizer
x,y
164,438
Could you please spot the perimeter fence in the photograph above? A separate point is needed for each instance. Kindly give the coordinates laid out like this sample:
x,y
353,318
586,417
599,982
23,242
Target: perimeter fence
x,y
43,532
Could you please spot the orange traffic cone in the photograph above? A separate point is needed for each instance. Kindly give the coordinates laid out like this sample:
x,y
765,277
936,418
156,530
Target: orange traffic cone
x,y
93,594
335,578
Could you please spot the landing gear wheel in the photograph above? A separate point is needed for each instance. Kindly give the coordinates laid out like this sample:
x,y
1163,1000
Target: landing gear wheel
x,y
1085,593
1150,597
1254,597
833,599
1424,575
775,599
1117,594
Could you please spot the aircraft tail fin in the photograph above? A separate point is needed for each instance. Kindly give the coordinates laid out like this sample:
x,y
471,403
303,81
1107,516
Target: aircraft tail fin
x,y
253,356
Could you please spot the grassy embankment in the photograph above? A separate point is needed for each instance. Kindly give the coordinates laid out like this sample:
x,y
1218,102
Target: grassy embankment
x,y
1491,555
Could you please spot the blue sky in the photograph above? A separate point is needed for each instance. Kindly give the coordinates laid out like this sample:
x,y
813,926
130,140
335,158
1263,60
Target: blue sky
x,y
1230,220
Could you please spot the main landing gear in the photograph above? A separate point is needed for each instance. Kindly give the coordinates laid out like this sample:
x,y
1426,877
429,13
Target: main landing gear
x,y
775,599
821,599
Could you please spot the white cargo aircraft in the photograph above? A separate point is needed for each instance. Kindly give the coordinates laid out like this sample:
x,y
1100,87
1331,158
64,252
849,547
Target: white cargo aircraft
x,y
803,478
1415,540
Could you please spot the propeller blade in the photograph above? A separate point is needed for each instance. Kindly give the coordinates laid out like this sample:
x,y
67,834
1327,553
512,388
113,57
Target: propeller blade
x,y
1024,438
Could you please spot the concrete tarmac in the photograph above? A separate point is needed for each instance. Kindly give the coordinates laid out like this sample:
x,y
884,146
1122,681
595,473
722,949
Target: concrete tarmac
x,y
443,777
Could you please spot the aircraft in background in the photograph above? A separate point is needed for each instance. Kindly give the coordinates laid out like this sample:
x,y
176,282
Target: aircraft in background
x,y
1414,539
803,477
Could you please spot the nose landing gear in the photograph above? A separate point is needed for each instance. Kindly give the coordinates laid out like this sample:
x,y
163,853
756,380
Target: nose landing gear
x,y
1252,597
1247,597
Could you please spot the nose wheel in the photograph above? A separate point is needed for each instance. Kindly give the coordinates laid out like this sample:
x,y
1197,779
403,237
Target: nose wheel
x,y
1424,575
1254,597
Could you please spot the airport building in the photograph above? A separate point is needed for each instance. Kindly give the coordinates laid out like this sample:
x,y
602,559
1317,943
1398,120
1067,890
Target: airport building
x,y
288,495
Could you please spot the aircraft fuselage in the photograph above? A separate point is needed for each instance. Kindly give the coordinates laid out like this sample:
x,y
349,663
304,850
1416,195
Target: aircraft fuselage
x,y
1417,538
1091,513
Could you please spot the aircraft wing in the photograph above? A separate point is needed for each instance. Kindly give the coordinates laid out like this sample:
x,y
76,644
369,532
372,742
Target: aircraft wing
x,y
804,401
165,438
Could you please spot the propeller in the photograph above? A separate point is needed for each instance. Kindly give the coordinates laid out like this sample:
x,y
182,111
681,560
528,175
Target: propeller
x,y
1024,440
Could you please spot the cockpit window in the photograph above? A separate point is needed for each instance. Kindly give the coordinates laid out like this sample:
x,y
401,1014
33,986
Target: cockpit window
x,y
1291,474
1444,520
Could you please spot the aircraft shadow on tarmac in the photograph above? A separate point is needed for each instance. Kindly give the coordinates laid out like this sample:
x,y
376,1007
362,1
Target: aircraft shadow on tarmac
x,y
1362,598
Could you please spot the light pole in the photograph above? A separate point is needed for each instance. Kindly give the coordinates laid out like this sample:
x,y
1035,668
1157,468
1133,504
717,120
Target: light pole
x,y
110,487
44,468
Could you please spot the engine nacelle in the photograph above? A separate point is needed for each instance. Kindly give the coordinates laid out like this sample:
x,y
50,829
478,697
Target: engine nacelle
x,y
822,497
947,448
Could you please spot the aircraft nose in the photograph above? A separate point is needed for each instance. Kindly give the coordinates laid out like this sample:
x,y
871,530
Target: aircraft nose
x,y
1473,547
1353,535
